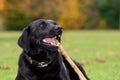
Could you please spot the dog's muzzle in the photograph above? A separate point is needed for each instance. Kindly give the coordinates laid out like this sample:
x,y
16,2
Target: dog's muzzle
x,y
52,41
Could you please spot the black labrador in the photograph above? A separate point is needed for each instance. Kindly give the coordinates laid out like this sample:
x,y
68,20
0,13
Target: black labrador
x,y
40,58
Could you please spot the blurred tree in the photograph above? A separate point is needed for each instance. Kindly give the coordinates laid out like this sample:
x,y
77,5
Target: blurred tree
x,y
38,8
116,7
2,7
14,18
92,12
71,14
110,11
66,12
71,17
19,14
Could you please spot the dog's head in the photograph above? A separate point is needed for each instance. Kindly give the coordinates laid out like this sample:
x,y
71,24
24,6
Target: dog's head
x,y
41,34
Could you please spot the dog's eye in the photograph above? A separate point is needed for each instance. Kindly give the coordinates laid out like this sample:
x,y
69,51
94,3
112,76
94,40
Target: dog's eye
x,y
54,23
43,25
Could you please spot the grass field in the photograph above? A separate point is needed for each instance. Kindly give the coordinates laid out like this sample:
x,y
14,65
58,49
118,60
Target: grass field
x,y
98,50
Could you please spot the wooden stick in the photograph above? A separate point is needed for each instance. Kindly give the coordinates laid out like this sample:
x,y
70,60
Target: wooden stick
x,y
73,65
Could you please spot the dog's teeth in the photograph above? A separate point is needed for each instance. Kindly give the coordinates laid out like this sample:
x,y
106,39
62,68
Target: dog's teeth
x,y
52,43
44,41
59,35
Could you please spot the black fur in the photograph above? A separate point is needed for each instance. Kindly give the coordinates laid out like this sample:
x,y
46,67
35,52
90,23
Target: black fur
x,y
35,51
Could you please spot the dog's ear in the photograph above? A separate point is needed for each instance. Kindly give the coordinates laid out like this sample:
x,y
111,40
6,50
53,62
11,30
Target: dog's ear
x,y
23,41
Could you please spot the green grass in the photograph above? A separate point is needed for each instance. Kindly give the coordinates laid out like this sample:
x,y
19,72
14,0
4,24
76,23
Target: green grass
x,y
81,45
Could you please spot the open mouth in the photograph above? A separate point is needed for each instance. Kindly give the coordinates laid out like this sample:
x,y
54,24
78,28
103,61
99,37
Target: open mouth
x,y
51,41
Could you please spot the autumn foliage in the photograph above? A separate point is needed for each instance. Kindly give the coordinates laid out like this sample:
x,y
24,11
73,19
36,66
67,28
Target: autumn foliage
x,y
71,14
65,12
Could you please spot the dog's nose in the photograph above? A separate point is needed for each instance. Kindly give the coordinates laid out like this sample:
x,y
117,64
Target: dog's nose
x,y
59,29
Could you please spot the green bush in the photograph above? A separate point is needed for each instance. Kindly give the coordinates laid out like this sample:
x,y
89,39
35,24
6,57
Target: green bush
x,y
16,22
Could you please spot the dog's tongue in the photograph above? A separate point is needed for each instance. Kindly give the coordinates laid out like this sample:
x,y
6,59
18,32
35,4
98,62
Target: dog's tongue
x,y
51,41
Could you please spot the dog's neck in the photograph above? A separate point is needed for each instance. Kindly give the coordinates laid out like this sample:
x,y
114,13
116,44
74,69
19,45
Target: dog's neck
x,y
34,57
36,63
